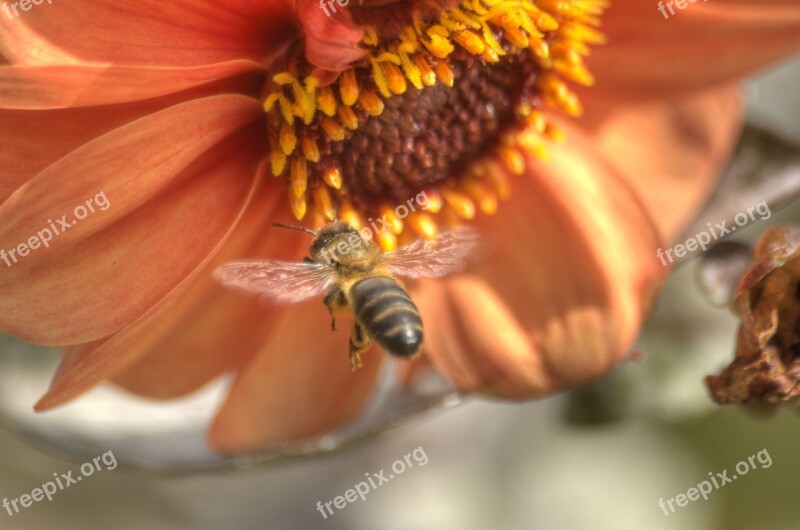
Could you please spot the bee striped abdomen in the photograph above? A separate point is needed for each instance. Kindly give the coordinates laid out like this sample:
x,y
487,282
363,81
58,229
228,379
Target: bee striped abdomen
x,y
388,315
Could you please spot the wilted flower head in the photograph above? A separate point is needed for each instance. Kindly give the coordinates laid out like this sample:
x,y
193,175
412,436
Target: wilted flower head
x,y
767,364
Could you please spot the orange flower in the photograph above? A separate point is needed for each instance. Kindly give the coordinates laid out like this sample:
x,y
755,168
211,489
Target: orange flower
x,y
180,113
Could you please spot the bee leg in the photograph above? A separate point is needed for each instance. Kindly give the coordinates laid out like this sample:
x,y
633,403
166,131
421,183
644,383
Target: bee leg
x,y
335,302
359,341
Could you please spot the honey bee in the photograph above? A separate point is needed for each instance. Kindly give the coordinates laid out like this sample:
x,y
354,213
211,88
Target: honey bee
x,y
353,272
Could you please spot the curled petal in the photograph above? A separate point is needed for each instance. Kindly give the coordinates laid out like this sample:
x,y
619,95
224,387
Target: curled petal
x,y
572,274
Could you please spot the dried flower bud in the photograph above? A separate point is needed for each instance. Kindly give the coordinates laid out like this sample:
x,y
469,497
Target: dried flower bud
x,y
767,364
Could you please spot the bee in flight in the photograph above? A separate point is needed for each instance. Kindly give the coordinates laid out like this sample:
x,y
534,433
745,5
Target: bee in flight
x,y
353,272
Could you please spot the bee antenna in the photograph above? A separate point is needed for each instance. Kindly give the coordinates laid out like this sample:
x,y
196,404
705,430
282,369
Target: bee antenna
x,y
298,228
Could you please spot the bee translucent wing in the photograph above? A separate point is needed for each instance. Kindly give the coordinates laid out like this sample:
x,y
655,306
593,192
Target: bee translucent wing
x,y
282,281
443,255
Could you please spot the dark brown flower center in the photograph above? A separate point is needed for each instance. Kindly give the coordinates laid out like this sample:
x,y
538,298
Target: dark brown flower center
x,y
427,137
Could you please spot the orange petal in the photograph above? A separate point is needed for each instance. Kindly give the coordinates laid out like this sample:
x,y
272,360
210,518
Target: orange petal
x,y
43,137
571,275
64,86
148,32
87,364
212,329
129,165
299,385
702,45
670,152
99,285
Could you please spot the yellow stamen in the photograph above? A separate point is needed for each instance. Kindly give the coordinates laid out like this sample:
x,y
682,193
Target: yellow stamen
x,y
286,109
555,134
435,201
347,118
490,55
278,162
575,71
370,36
394,78
541,50
445,74
460,203
427,75
326,101
438,42
333,178
298,206
470,41
558,95
322,200
269,103
349,214
395,222
288,140
371,103
298,179
581,33
542,20
387,240
310,149
332,129
517,38
532,144
513,160
348,88
423,224
537,121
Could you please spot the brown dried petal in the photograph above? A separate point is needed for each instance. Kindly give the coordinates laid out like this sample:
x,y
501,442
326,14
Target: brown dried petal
x,y
767,363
